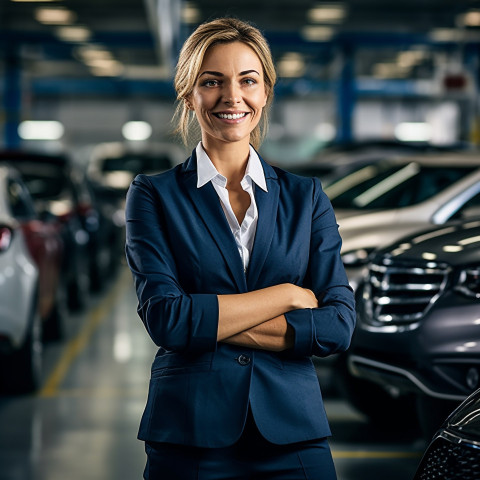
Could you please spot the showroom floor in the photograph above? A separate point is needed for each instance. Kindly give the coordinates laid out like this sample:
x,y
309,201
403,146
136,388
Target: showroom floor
x,y
82,424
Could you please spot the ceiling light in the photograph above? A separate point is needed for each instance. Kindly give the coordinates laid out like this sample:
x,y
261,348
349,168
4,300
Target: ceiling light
x,y
291,65
107,68
316,33
40,130
190,13
472,18
34,1
413,132
55,16
446,35
137,131
86,53
74,34
327,13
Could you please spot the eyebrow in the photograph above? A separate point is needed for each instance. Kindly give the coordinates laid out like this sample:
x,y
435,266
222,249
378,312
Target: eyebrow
x,y
219,74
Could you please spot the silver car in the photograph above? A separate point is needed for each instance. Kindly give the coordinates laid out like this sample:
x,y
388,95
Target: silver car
x,y
379,203
20,323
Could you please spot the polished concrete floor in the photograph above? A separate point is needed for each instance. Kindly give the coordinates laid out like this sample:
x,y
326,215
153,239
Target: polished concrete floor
x,y
82,424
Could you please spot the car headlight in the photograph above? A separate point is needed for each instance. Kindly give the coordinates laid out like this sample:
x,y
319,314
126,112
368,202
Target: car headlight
x,y
469,282
356,258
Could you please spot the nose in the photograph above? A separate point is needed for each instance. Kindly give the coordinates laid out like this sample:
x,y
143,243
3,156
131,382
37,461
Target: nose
x,y
231,94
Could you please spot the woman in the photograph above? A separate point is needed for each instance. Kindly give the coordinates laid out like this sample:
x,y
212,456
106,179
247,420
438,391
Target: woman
x,y
239,278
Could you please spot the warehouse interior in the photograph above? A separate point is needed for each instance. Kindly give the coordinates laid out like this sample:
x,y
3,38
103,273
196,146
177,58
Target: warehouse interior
x,y
89,84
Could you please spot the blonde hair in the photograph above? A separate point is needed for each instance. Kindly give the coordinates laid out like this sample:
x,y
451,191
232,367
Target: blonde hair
x,y
221,30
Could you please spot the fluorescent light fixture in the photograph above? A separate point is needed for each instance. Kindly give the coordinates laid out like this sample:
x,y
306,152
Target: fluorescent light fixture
x,y
106,68
40,130
410,58
390,70
190,13
446,35
137,131
317,33
291,65
74,34
87,53
413,132
472,18
34,1
55,16
325,131
327,13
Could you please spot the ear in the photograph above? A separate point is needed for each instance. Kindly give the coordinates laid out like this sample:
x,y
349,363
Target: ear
x,y
188,104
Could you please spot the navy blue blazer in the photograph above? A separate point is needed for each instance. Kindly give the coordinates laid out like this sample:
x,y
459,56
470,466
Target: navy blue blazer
x,y
182,254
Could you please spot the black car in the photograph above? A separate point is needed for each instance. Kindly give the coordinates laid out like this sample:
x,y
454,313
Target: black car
x,y
417,340
454,452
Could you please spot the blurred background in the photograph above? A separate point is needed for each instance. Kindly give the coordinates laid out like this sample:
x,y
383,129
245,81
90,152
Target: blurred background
x,y
380,100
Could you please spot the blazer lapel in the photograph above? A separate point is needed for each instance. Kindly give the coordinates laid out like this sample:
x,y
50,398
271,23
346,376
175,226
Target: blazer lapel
x,y
267,205
207,204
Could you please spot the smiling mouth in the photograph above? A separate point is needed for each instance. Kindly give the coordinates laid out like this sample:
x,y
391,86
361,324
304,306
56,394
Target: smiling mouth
x,y
230,116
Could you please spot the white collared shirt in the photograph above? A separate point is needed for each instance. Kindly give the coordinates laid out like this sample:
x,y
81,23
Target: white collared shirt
x,y
244,234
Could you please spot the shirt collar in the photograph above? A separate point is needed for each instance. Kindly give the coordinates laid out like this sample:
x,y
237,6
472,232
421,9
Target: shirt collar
x,y
206,170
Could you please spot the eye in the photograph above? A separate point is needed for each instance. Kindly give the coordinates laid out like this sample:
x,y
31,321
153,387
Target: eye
x,y
249,81
210,83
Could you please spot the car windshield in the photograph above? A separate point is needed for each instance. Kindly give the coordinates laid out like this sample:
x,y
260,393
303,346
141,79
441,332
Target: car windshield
x,y
45,182
136,164
392,185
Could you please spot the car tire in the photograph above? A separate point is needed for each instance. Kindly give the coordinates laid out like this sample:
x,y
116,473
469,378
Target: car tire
x,y
21,370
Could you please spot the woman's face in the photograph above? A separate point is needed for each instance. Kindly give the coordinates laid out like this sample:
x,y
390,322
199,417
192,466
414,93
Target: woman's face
x,y
229,94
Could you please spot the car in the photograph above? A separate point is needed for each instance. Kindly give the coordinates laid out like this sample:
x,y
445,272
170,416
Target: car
x,y
110,171
454,451
379,203
416,344
58,190
341,159
20,320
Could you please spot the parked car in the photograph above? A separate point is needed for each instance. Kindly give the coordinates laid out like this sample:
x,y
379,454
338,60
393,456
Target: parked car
x,y
339,160
111,169
418,326
454,451
59,189
377,204
21,234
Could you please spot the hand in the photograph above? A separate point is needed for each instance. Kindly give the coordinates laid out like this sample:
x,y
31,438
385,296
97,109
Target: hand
x,y
304,298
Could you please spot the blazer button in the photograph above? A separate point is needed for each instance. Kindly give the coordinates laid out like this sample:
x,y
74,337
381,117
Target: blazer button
x,y
243,360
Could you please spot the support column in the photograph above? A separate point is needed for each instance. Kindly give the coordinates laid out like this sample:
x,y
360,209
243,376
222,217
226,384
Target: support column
x,y
346,95
12,99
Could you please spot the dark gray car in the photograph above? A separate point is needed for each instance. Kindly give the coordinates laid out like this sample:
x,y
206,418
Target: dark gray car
x,y
418,326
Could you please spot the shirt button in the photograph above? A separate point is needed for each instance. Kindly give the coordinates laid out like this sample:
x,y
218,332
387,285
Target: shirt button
x,y
243,360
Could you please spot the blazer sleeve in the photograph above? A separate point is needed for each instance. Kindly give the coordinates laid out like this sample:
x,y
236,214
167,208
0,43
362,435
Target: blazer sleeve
x,y
175,319
327,329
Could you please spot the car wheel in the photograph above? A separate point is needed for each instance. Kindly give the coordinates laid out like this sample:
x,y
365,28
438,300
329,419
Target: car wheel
x,y
22,369
53,329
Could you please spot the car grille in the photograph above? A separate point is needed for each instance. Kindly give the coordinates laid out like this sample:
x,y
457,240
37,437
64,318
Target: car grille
x,y
445,459
402,293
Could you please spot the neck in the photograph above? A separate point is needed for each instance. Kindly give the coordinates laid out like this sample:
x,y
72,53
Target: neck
x,y
230,158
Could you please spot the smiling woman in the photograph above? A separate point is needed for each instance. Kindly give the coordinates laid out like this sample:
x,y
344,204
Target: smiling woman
x,y
239,280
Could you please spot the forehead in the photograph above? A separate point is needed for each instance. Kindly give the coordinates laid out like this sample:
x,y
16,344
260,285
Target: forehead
x,y
236,55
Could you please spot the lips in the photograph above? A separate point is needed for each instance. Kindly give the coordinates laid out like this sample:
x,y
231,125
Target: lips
x,y
231,116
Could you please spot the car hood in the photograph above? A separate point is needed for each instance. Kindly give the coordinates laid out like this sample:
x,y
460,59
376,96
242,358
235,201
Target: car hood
x,y
453,243
369,232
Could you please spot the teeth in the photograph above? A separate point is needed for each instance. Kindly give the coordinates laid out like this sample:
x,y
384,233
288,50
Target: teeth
x,y
231,116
